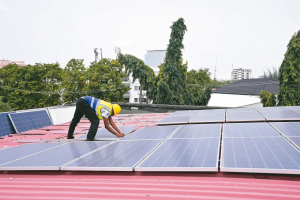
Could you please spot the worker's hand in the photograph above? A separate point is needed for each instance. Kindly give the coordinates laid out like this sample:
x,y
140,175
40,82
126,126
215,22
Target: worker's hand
x,y
120,135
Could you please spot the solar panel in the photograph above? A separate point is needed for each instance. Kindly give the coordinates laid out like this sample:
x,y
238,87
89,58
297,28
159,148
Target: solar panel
x,y
259,155
6,126
183,155
278,114
205,116
118,156
288,129
54,158
244,130
295,141
104,134
30,120
151,133
185,112
17,152
294,108
243,114
177,119
198,131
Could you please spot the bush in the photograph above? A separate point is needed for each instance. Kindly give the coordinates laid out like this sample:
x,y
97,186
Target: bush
x,y
268,99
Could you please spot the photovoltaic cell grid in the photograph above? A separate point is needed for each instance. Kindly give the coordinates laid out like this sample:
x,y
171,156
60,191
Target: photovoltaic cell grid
x,y
185,112
278,114
176,119
294,108
183,155
259,155
288,129
244,130
151,133
104,134
118,156
11,154
6,127
243,114
205,116
295,141
53,159
30,120
197,131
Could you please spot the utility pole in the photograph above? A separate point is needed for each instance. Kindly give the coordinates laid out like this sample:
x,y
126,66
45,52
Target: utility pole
x,y
215,75
96,54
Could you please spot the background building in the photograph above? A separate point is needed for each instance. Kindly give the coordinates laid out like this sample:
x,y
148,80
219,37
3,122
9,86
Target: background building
x,y
3,63
153,58
240,73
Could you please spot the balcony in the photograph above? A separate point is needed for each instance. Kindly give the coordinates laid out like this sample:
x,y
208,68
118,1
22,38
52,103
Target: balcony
x,y
126,95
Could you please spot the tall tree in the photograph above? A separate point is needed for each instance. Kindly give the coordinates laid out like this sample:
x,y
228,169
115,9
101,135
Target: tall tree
x,y
272,74
105,80
171,86
74,80
289,74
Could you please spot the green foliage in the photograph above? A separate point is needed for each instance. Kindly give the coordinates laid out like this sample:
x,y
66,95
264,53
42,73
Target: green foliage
x,y
171,86
74,80
105,80
289,74
31,86
218,84
268,99
4,107
272,75
140,71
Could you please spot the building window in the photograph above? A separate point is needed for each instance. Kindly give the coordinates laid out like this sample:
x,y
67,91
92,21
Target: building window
x,y
136,100
136,87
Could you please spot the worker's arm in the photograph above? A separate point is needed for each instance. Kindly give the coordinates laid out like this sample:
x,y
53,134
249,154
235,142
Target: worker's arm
x,y
107,126
112,123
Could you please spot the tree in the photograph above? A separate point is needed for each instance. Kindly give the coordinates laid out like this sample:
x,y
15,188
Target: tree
x,y
74,80
289,74
272,75
32,86
171,86
140,71
268,99
105,80
4,107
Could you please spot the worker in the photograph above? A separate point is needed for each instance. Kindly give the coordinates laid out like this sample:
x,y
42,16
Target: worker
x,y
95,109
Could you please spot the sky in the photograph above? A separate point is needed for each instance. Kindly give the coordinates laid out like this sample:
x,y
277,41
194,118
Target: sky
x,y
251,34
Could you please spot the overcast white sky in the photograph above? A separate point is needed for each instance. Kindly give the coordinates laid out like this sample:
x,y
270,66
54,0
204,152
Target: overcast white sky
x,y
248,33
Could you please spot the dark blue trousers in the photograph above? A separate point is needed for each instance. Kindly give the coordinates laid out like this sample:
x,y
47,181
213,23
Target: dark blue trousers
x,y
83,108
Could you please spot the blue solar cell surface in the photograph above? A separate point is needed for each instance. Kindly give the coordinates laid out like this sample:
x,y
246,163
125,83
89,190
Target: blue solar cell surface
x,y
295,141
185,112
249,130
278,114
18,152
103,133
294,108
6,126
176,119
53,158
183,155
262,155
205,116
287,129
151,133
198,131
118,156
243,114
30,120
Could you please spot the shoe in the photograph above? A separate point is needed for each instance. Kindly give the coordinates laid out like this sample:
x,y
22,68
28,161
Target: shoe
x,y
71,137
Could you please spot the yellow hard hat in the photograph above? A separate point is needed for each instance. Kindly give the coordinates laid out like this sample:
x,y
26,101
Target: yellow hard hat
x,y
116,108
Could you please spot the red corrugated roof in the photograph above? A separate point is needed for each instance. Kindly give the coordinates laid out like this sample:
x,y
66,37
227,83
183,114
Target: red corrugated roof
x,y
136,185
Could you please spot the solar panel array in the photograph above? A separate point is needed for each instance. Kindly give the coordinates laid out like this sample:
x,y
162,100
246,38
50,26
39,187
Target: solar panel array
x,y
206,116
243,115
176,119
290,130
278,114
54,158
104,134
25,121
190,148
6,126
